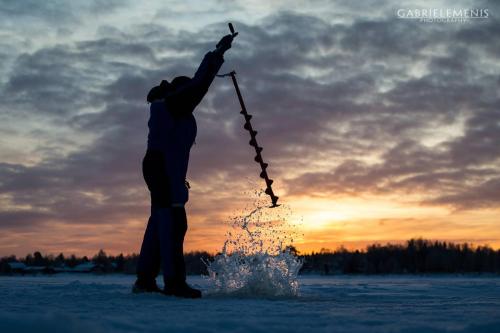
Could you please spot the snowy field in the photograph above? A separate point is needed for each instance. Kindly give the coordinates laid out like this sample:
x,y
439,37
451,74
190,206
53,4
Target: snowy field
x,y
93,303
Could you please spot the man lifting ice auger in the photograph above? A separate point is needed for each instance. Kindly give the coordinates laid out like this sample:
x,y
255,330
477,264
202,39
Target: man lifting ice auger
x,y
172,131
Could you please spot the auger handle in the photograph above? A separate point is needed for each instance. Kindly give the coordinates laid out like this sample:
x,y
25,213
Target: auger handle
x,y
231,28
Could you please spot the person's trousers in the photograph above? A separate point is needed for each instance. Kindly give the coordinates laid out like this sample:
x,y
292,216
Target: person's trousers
x,y
167,226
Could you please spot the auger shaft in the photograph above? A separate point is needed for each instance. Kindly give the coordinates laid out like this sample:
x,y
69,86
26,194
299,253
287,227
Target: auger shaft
x,y
253,143
253,133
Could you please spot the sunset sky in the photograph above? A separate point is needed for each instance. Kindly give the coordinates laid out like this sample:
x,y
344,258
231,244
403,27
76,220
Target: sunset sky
x,y
376,128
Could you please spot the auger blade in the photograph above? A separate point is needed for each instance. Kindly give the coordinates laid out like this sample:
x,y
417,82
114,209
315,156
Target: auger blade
x,y
253,141
274,200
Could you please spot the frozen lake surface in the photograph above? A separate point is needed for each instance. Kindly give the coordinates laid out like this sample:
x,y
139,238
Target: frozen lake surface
x,y
93,303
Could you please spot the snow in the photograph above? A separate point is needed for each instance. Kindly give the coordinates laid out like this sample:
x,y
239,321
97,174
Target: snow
x,y
103,303
17,265
84,267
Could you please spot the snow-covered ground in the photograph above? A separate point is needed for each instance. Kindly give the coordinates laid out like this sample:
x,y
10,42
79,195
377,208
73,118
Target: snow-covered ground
x,y
92,303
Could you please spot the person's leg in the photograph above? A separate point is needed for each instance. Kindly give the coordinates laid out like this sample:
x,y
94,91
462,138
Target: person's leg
x,y
149,256
165,232
175,284
179,231
148,265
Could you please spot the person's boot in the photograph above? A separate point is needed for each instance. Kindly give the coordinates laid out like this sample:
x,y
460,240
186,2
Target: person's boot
x,y
180,289
145,286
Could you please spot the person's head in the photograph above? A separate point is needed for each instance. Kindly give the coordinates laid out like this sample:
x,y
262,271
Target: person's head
x,y
165,88
159,92
179,81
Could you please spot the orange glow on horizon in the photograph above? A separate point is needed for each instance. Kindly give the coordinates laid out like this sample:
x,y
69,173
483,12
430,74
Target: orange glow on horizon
x,y
352,223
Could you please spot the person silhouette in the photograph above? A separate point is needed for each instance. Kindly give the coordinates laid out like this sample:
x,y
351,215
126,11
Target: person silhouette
x,y
172,131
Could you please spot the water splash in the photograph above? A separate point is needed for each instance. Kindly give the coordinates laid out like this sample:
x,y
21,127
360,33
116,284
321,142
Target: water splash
x,y
257,259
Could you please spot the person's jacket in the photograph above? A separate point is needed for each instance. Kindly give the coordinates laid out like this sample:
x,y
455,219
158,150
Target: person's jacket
x,y
172,126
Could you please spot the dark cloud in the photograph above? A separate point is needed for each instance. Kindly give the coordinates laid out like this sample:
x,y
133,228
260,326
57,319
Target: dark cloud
x,y
18,220
479,146
484,195
56,11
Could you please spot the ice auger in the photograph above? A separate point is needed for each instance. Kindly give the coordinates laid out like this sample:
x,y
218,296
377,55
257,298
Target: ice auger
x,y
253,133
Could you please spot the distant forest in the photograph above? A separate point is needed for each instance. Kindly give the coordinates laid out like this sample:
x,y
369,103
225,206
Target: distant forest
x,y
416,256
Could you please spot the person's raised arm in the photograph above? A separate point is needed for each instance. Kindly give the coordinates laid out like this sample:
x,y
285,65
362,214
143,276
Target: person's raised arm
x,y
185,98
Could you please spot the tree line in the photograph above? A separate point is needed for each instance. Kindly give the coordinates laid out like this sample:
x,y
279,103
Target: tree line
x,y
415,256
101,262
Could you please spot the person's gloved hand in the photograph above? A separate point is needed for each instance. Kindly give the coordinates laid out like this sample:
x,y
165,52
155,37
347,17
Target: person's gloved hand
x,y
225,43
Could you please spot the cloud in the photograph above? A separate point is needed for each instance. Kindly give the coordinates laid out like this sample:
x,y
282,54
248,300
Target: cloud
x,y
56,10
483,195
342,109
